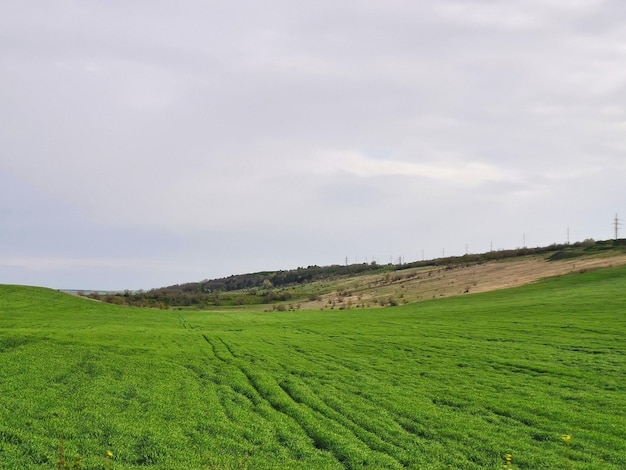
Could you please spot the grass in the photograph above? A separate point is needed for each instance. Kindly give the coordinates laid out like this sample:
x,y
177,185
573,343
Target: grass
x,y
483,381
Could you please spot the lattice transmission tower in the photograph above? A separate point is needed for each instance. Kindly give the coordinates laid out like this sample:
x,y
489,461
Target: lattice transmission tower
x,y
616,226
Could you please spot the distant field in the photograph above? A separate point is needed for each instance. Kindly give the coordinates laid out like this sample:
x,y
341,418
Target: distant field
x,y
450,383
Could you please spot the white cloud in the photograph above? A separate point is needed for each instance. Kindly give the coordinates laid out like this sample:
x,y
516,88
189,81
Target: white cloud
x,y
515,15
497,15
463,172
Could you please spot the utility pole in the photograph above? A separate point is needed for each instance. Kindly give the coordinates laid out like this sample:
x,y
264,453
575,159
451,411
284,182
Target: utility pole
x,y
616,225
568,235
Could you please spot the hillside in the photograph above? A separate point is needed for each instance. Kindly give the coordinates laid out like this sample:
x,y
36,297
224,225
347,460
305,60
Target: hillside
x,y
369,285
526,378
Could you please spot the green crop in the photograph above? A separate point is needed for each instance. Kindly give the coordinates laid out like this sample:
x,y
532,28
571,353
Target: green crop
x,y
529,378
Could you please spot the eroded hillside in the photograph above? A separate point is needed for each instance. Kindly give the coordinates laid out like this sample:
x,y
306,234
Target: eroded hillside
x,y
419,284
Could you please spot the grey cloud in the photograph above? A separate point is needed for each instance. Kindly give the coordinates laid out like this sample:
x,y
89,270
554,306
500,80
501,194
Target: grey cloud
x,y
180,131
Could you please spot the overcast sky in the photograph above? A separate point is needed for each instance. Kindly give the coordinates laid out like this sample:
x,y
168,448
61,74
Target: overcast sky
x,y
146,143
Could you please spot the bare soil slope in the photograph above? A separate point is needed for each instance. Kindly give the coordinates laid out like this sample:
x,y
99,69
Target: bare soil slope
x,y
433,282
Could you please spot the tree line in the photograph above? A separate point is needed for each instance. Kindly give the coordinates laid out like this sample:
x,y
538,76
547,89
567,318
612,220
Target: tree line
x,y
270,286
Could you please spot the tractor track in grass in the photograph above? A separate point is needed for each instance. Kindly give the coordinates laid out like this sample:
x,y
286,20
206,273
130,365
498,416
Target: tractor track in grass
x,y
218,355
318,405
228,348
324,407
397,420
306,417
291,402
412,428
416,430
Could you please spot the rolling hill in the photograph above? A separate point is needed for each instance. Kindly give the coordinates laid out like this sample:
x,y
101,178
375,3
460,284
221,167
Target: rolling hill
x,y
528,378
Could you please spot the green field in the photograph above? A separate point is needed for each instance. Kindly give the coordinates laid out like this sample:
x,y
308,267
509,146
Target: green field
x,y
451,383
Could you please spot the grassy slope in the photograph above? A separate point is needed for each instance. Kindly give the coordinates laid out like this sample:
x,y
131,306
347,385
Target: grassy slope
x,y
453,383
